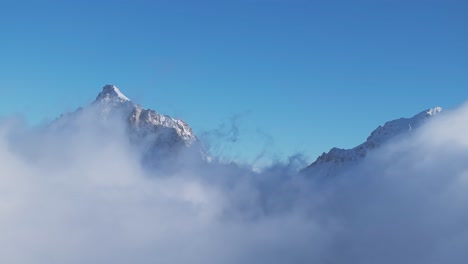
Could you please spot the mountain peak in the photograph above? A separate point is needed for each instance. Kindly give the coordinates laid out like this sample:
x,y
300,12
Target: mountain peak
x,y
160,138
111,92
337,159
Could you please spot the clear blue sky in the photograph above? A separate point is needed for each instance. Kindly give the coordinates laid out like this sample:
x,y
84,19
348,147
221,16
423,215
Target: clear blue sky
x,y
303,76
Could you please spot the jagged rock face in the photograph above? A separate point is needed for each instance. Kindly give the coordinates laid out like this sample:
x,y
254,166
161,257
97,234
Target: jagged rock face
x,y
338,159
143,121
146,121
159,137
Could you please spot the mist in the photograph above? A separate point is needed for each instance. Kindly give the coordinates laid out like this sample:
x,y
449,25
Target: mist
x,y
81,195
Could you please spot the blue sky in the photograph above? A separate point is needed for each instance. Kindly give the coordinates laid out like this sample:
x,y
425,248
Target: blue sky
x,y
297,76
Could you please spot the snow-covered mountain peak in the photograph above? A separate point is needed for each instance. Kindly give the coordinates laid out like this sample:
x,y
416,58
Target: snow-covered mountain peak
x,y
159,138
398,126
336,159
111,101
111,93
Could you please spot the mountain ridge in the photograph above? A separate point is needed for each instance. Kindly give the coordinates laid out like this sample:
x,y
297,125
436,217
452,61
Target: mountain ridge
x,y
161,137
329,163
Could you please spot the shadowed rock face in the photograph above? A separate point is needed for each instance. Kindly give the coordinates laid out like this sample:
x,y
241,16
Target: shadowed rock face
x,y
338,159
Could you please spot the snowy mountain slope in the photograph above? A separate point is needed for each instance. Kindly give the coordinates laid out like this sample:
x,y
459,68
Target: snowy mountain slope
x,y
159,137
338,159
142,121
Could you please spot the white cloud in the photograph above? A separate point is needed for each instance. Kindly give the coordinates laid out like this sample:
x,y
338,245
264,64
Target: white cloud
x,y
81,196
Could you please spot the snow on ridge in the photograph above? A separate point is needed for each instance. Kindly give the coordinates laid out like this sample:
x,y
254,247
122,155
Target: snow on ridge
x,y
109,92
337,158
112,100
147,118
434,111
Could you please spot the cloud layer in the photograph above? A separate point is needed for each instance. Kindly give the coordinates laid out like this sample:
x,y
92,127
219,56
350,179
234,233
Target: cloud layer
x,y
81,196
